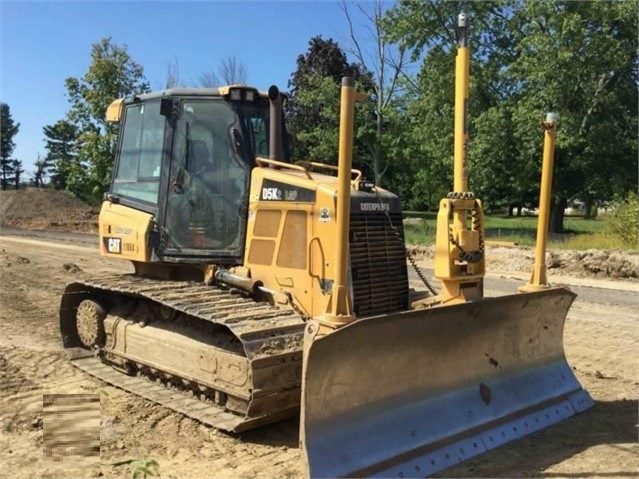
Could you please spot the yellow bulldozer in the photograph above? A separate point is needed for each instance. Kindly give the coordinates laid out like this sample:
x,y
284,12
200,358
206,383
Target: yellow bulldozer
x,y
263,288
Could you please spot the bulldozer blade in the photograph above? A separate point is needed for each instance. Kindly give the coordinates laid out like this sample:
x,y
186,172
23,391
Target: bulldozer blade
x,y
410,394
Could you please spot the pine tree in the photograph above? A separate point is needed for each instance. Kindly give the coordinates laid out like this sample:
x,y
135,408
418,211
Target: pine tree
x,y
8,129
61,144
17,170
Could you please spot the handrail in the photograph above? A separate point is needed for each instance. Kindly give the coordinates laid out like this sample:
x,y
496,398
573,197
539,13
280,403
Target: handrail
x,y
303,166
265,162
358,173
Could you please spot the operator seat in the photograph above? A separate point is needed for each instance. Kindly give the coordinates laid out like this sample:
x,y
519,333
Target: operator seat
x,y
204,168
199,156
212,209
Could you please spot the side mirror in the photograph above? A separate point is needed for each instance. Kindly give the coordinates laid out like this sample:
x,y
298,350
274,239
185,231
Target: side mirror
x,y
169,108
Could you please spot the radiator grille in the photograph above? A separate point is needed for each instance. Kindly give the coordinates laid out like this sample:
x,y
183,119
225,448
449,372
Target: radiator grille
x,y
378,264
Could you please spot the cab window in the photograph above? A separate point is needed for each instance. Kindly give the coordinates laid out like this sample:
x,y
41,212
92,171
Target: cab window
x,y
137,173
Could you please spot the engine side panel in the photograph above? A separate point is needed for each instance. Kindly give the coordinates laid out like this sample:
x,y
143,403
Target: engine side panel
x,y
291,231
124,232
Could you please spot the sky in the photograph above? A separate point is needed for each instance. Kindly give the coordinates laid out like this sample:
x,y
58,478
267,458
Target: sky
x,y
44,42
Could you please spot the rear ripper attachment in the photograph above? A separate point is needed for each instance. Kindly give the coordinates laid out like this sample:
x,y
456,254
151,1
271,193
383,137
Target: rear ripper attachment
x,y
229,362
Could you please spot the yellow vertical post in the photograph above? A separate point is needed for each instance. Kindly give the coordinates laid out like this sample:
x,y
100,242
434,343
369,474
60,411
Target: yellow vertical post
x,y
538,279
462,82
462,89
459,250
340,310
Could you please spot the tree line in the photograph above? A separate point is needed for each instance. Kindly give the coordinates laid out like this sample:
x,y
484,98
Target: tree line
x,y
577,59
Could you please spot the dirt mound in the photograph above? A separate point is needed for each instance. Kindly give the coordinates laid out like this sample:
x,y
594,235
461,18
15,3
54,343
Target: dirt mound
x,y
585,264
46,209
598,263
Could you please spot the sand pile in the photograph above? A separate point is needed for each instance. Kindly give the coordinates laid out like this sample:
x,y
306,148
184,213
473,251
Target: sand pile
x,y
45,209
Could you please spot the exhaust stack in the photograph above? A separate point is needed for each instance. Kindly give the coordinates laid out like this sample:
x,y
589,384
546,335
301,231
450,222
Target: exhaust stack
x,y
275,128
340,309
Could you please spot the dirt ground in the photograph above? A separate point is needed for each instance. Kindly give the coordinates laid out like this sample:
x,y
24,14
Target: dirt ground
x,y
601,341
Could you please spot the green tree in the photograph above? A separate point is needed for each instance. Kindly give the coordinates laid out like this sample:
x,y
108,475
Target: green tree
x,y
313,109
623,220
528,58
387,63
580,60
428,31
112,74
62,157
8,129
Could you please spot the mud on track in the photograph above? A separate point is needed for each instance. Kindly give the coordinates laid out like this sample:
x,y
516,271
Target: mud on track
x,y
602,340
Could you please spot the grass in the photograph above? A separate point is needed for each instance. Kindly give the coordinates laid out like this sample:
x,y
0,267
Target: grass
x,y
579,233
598,240
140,468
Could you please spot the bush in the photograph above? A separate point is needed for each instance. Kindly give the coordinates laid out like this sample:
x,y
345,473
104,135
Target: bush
x,y
623,220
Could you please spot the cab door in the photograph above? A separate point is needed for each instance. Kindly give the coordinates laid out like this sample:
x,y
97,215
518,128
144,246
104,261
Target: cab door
x,y
208,185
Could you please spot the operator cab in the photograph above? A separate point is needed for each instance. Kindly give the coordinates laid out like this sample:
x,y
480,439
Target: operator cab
x,y
185,156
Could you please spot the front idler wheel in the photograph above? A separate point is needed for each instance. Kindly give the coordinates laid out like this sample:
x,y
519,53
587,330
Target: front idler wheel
x,y
90,323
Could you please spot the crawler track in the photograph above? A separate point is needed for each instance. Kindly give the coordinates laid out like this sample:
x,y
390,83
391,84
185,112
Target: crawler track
x,y
238,360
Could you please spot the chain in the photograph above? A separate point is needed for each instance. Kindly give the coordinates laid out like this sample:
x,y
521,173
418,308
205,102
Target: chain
x,y
469,257
472,256
420,273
